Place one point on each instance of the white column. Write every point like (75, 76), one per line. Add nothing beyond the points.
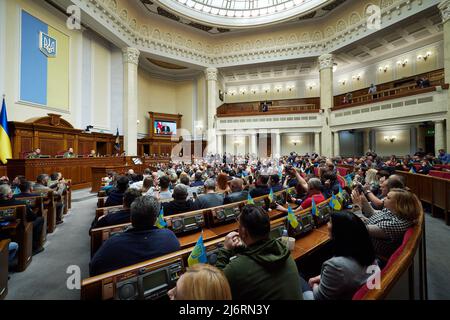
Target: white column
(276, 152)
(439, 136)
(220, 143)
(211, 80)
(420, 138)
(444, 6)
(130, 99)
(326, 101)
(253, 143)
(317, 142)
(366, 140)
(336, 145)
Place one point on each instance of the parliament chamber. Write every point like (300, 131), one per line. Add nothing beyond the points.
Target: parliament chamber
(225, 150)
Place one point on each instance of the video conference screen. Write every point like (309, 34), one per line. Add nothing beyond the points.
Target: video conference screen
(165, 128)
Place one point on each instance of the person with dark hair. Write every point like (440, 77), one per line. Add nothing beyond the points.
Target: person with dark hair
(330, 184)
(25, 188)
(394, 181)
(121, 216)
(261, 187)
(237, 192)
(198, 179)
(180, 202)
(275, 183)
(164, 184)
(142, 242)
(42, 186)
(262, 268)
(346, 271)
(115, 197)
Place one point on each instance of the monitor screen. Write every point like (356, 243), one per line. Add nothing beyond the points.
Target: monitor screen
(189, 220)
(229, 212)
(154, 280)
(165, 128)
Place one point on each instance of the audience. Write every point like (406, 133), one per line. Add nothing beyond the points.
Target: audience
(237, 192)
(142, 242)
(41, 186)
(180, 202)
(115, 197)
(211, 198)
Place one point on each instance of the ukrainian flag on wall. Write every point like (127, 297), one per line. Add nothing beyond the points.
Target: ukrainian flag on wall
(5, 142)
(44, 79)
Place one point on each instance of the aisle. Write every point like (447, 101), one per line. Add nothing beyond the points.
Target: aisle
(45, 278)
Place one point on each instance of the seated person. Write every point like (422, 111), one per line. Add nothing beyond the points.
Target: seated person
(36, 154)
(388, 226)
(425, 167)
(184, 179)
(142, 242)
(41, 186)
(330, 184)
(69, 154)
(115, 197)
(6, 200)
(198, 179)
(444, 157)
(261, 187)
(210, 198)
(180, 202)
(121, 216)
(275, 183)
(377, 202)
(201, 282)
(237, 192)
(346, 271)
(25, 188)
(93, 154)
(262, 268)
(164, 184)
(313, 187)
(13, 247)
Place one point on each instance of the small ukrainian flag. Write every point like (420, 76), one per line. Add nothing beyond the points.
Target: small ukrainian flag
(340, 194)
(160, 222)
(292, 218)
(271, 196)
(314, 210)
(412, 170)
(348, 178)
(198, 255)
(280, 173)
(334, 203)
(250, 199)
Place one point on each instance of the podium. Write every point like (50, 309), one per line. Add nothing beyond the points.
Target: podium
(97, 173)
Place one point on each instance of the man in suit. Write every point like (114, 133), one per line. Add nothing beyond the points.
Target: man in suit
(237, 193)
(166, 129)
(7, 200)
(142, 242)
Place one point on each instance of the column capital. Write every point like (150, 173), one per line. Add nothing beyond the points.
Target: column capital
(326, 61)
(444, 7)
(211, 74)
(131, 55)
(251, 132)
(439, 121)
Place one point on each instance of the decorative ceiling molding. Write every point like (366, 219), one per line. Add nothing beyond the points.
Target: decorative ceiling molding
(166, 65)
(213, 53)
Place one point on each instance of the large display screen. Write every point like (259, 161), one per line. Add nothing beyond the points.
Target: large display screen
(165, 128)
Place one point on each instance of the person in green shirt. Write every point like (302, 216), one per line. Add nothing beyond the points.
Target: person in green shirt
(36, 154)
(257, 267)
(69, 154)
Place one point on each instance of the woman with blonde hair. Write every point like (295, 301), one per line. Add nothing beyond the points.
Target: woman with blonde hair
(372, 182)
(402, 209)
(201, 282)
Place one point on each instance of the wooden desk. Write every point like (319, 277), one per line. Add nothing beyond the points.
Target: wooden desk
(97, 173)
(76, 169)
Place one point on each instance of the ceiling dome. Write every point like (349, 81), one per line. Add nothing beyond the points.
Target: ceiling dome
(242, 13)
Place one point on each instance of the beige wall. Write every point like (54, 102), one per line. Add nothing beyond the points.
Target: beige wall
(306, 143)
(400, 147)
(101, 84)
(157, 95)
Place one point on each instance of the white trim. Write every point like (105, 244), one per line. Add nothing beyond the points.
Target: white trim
(41, 106)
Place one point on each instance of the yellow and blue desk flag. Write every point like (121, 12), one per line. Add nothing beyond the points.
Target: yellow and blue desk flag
(271, 196)
(5, 141)
(314, 210)
(412, 170)
(334, 203)
(160, 222)
(250, 199)
(198, 255)
(292, 218)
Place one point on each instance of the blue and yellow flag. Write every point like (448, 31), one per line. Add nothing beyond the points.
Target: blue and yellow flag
(292, 218)
(340, 194)
(5, 142)
(271, 196)
(160, 222)
(348, 179)
(280, 173)
(412, 170)
(314, 210)
(250, 199)
(334, 203)
(198, 255)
